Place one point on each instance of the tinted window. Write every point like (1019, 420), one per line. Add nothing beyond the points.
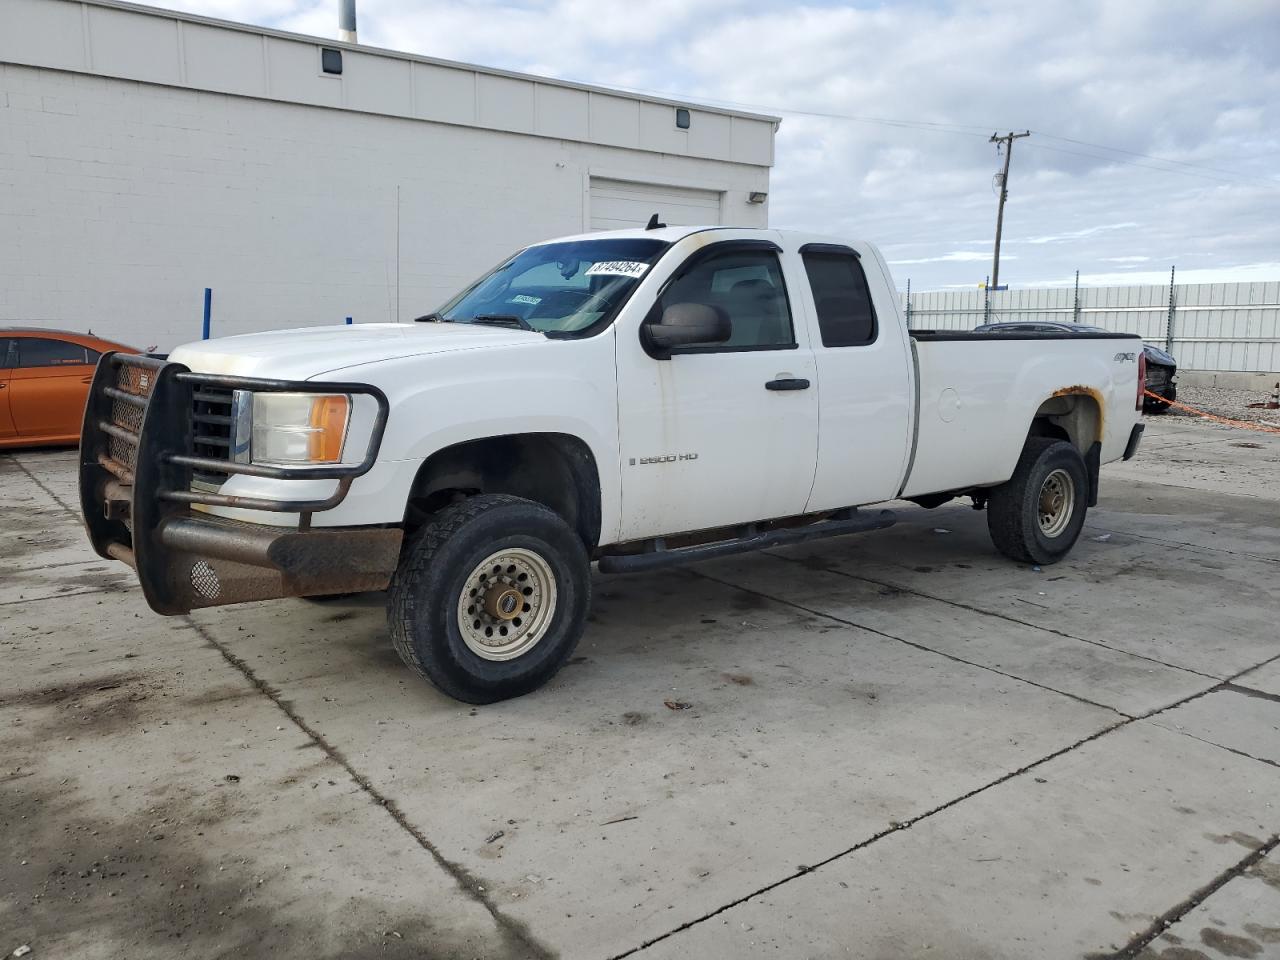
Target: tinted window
(38, 352)
(8, 353)
(748, 286)
(846, 316)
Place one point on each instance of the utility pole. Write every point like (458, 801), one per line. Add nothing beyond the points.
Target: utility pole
(1007, 140)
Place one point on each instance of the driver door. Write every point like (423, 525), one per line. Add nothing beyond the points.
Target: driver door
(725, 433)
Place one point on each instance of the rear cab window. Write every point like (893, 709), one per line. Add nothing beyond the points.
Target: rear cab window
(841, 296)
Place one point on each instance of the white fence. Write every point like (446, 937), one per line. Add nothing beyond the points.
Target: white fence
(1206, 326)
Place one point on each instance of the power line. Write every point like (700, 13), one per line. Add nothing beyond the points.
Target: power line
(1230, 178)
(1145, 156)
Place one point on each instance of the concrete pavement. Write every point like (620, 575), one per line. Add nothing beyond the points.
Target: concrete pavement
(897, 745)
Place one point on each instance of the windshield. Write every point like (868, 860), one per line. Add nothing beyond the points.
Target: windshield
(565, 288)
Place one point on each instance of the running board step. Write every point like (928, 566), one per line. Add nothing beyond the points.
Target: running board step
(658, 555)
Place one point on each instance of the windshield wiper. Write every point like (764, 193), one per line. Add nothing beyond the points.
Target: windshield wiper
(502, 320)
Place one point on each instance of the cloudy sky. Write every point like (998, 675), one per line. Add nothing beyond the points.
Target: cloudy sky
(1155, 123)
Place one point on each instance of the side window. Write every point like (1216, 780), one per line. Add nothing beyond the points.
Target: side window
(8, 354)
(38, 352)
(846, 315)
(91, 356)
(748, 286)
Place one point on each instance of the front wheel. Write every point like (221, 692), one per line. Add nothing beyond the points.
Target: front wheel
(1036, 517)
(490, 598)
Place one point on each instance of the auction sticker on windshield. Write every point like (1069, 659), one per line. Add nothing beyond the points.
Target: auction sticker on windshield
(617, 268)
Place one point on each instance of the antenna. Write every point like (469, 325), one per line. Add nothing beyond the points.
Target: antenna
(654, 224)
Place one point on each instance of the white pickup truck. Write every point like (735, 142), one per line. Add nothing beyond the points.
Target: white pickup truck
(636, 398)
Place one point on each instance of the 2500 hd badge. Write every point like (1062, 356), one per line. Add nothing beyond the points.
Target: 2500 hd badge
(672, 458)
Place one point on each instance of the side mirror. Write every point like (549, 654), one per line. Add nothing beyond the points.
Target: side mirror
(687, 324)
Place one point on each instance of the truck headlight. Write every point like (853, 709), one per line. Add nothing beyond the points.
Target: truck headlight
(290, 429)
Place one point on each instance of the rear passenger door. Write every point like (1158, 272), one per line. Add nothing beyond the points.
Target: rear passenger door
(48, 386)
(865, 387)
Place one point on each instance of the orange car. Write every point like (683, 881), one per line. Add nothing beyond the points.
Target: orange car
(44, 382)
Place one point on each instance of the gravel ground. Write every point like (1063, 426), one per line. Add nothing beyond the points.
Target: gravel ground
(1225, 402)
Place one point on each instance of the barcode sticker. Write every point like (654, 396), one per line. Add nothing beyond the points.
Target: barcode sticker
(617, 268)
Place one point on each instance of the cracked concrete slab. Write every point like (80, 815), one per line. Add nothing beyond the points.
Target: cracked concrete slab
(1071, 859)
(1116, 679)
(1205, 457)
(155, 805)
(794, 720)
(18, 582)
(590, 818)
(1236, 718)
(1195, 609)
(1265, 678)
(1144, 512)
(1241, 919)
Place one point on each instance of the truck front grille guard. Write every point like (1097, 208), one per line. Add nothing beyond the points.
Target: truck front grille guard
(148, 428)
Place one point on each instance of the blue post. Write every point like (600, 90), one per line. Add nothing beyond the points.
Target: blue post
(208, 311)
(348, 321)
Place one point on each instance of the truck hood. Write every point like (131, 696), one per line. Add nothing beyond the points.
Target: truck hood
(314, 351)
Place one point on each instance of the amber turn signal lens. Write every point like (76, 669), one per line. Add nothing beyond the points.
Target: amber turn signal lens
(329, 427)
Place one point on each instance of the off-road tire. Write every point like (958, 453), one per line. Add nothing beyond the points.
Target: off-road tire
(422, 609)
(1013, 509)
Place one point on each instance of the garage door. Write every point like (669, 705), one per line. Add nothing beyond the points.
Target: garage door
(618, 204)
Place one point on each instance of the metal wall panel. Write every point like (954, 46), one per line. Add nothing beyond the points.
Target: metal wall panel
(618, 205)
(121, 201)
(129, 42)
(1212, 326)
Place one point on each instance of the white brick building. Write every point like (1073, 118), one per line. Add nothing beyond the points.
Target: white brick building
(146, 155)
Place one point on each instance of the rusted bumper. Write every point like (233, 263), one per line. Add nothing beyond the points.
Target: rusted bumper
(148, 429)
(210, 561)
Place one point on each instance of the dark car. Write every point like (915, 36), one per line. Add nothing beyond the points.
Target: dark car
(1161, 367)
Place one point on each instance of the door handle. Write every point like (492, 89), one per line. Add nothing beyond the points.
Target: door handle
(787, 383)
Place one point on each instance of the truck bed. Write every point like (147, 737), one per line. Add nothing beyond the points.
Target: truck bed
(978, 393)
(932, 336)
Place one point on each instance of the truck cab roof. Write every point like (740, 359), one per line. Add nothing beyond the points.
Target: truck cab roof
(670, 234)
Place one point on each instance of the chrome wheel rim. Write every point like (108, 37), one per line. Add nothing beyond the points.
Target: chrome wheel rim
(1057, 502)
(506, 604)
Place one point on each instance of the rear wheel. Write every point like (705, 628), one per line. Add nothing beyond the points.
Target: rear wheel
(1036, 517)
(490, 598)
